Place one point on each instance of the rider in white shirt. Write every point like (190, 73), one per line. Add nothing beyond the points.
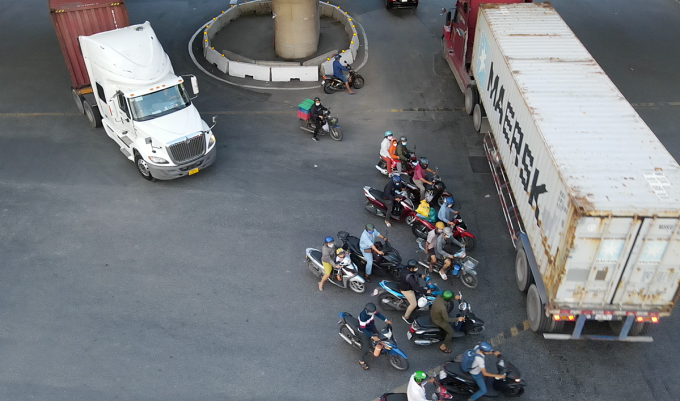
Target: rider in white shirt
(416, 386)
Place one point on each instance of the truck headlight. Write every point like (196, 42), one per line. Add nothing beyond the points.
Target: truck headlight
(211, 140)
(158, 160)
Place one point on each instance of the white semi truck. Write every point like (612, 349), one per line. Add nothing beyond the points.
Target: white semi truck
(591, 196)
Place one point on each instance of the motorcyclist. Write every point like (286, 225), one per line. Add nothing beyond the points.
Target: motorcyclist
(391, 195)
(338, 72)
(317, 115)
(446, 212)
(419, 178)
(478, 370)
(439, 314)
(416, 386)
(368, 329)
(385, 151)
(327, 260)
(367, 246)
(410, 287)
(444, 241)
(342, 259)
(431, 242)
(402, 151)
(392, 150)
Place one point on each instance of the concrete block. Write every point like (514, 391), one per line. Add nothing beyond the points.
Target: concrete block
(326, 10)
(354, 47)
(285, 74)
(346, 58)
(242, 70)
(278, 63)
(320, 59)
(223, 64)
(237, 57)
(327, 67)
(257, 7)
(212, 56)
(212, 30)
(235, 12)
(339, 15)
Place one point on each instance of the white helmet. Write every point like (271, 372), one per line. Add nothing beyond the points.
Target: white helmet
(422, 302)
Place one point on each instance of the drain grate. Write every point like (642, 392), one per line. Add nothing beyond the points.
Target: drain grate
(479, 164)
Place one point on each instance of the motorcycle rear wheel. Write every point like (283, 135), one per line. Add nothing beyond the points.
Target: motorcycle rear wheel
(336, 134)
(358, 82)
(313, 268)
(420, 230)
(398, 362)
(328, 88)
(345, 331)
(469, 280)
(386, 301)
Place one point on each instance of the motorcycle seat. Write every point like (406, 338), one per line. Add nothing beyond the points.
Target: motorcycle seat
(316, 255)
(425, 321)
(395, 397)
(353, 323)
(453, 368)
(377, 194)
(353, 243)
(392, 286)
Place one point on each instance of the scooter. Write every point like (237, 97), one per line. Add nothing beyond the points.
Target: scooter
(348, 272)
(390, 298)
(462, 266)
(388, 264)
(434, 194)
(401, 211)
(349, 331)
(331, 83)
(407, 168)
(424, 332)
(460, 232)
(331, 126)
(453, 380)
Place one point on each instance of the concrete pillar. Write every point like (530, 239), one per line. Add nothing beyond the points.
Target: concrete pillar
(296, 28)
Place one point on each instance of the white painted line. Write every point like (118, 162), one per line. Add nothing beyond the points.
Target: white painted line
(233, 2)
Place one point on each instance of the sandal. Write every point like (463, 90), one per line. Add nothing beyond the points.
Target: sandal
(363, 365)
(445, 350)
(367, 278)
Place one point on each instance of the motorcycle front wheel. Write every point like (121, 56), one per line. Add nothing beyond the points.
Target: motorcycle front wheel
(419, 230)
(358, 82)
(515, 392)
(336, 134)
(398, 362)
(328, 88)
(469, 242)
(469, 280)
(357, 286)
(476, 330)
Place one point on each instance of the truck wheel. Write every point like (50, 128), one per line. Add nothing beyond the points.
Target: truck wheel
(477, 115)
(471, 99)
(538, 321)
(522, 272)
(143, 168)
(92, 114)
(638, 328)
(78, 100)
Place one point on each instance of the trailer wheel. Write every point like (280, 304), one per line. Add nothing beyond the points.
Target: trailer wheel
(471, 99)
(78, 100)
(638, 328)
(538, 321)
(522, 272)
(477, 115)
(92, 114)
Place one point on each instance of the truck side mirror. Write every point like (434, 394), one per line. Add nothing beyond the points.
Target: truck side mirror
(147, 140)
(113, 111)
(194, 85)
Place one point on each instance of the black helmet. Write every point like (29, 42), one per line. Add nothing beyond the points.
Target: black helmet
(316, 99)
(424, 162)
(402, 139)
(369, 308)
(412, 264)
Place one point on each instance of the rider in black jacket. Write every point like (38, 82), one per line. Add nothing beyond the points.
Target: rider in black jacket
(317, 115)
(410, 287)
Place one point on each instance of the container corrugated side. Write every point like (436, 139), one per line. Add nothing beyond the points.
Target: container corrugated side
(72, 19)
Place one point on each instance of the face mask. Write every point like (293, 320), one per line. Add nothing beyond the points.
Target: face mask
(447, 236)
(331, 244)
(403, 143)
(318, 104)
(370, 232)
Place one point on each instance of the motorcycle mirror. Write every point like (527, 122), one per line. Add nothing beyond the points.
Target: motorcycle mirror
(443, 11)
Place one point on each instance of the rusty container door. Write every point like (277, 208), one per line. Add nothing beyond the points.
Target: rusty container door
(73, 18)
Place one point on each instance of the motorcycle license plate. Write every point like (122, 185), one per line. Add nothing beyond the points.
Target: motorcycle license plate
(193, 171)
(409, 335)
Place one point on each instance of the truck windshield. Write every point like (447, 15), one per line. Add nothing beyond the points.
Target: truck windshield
(156, 104)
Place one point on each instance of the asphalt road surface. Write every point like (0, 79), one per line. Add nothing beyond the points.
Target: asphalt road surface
(113, 288)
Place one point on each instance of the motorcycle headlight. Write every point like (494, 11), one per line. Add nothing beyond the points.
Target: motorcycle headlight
(211, 140)
(158, 160)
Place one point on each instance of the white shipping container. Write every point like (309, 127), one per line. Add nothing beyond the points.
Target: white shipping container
(596, 190)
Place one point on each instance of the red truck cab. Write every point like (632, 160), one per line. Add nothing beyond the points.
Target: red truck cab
(458, 35)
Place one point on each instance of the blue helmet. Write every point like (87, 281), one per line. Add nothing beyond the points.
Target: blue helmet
(337, 56)
(485, 347)
(448, 200)
(327, 240)
(388, 133)
(396, 179)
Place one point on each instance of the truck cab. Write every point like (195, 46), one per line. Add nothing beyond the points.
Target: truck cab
(144, 106)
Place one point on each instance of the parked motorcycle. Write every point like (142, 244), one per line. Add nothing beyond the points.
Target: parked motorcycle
(421, 228)
(331, 83)
(349, 331)
(348, 272)
(453, 380)
(424, 332)
(406, 168)
(462, 266)
(390, 298)
(388, 264)
(401, 211)
(331, 126)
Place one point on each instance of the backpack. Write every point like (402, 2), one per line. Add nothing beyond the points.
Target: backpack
(468, 359)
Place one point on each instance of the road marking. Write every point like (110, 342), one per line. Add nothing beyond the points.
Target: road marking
(37, 114)
(499, 339)
(657, 104)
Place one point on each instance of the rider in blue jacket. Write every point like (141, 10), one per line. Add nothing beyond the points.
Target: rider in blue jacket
(368, 329)
(338, 72)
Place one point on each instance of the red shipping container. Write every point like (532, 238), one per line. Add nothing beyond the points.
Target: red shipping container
(73, 18)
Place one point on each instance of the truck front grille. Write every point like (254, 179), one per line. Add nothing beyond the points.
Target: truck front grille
(187, 149)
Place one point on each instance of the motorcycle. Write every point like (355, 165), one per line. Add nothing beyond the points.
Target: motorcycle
(406, 168)
(331, 83)
(349, 331)
(331, 126)
(452, 380)
(348, 272)
(462, 266)
(424, 332)
(388, 264)
(460, 232)
(390, 298)
(434, 194)
(401, 211)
